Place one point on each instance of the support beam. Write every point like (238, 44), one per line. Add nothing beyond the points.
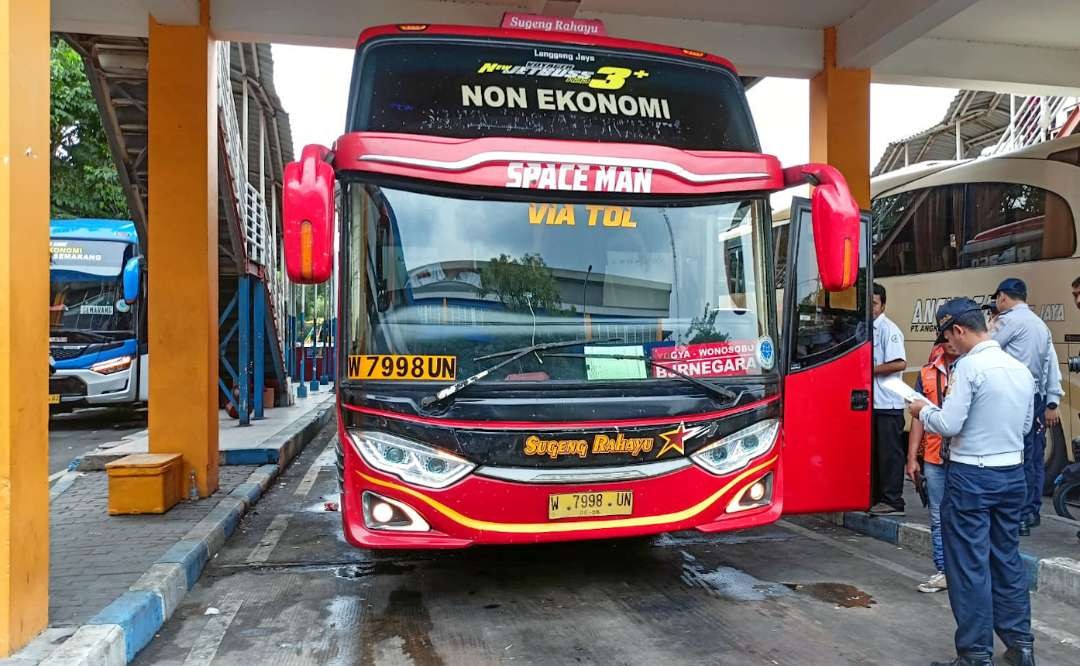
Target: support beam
(840, 121)
(183, 260)
(882, 27)
(173, 12)
(24, 325)
(1005, 68)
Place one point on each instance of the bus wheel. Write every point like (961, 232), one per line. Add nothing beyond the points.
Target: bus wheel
(1058, 459)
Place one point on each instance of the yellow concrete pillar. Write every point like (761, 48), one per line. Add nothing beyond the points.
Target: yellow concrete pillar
(182, 258)
(24, 324)
(840, 120)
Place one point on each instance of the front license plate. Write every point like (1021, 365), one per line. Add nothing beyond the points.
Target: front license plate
(581, 505)
(54, 398)
(398, 367)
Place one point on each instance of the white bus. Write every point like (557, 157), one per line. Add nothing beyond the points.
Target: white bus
(944, 229)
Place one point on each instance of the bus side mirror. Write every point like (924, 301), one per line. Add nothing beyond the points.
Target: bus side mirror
(131, 277)
(835, 216)
(308, 216)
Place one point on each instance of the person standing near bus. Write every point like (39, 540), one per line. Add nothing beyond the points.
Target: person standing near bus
(1024, 335)
(933, 384)
(889, 361)
(986, 413)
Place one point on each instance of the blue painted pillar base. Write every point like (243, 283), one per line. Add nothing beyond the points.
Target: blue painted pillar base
(301, 391)
(314, 386)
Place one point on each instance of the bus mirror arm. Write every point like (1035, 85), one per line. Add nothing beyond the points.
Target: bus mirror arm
(835, 216)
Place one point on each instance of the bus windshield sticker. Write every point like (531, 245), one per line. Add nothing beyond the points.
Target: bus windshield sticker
(96, 309)
(403, 367)
(709, 359)
(611, 217)
(766, 352)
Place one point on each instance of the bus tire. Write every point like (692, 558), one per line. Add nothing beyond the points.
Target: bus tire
(1058, 459)
(1063, 494)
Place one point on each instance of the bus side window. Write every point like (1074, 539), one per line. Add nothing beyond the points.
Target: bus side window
(1009, 223)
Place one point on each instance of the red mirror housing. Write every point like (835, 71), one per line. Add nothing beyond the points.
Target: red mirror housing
(307, 209)
(835, 216)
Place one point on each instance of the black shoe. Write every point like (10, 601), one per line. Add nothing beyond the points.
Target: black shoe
(972, 659)
(969, 659)
(1024, 529)
(1021, 653)
(1034, 522)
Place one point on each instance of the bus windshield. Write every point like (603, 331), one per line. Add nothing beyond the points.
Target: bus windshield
(85, 292)
(681, 285)
(455, 87)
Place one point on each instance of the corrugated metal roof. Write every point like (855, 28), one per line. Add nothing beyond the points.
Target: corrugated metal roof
(982, 116)
(255, 64)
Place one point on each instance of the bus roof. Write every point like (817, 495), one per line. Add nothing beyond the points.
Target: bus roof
(420, 30)
(94, 228)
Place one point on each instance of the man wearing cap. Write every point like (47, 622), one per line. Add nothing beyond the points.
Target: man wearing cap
(1023, 335)
(986, 413)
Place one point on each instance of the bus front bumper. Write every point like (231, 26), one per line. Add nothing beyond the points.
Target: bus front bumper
(484, 510)
(81, 388)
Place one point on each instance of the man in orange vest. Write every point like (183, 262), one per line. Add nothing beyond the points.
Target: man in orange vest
(933, 382)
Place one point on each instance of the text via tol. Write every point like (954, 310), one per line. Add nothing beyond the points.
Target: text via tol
(578, 177)
(602, 216)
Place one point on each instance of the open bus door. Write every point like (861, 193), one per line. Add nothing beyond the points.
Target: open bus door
(828, 362)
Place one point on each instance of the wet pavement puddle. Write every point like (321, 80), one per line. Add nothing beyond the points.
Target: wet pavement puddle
(728, 582)
(840, 595)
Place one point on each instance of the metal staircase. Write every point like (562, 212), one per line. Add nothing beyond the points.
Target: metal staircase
(254, 144)
(1036, 119)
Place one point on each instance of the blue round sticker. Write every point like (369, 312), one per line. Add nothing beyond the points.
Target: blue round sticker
(766, 352)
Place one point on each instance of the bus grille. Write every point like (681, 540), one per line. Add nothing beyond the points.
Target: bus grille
(64, 353)
(67, 386)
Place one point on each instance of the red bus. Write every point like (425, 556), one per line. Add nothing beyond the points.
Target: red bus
(558, 312)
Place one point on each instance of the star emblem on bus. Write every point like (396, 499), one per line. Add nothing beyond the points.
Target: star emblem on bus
(675, 440)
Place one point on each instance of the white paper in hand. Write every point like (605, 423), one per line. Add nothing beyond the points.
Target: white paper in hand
(897, 386)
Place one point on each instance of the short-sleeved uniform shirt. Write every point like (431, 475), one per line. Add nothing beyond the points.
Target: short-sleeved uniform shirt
(888, 346)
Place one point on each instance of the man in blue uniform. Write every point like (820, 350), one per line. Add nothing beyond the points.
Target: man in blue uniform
(986, 413)
(1023, 335)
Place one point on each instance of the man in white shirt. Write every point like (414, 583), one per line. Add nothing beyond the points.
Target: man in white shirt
(889, 445)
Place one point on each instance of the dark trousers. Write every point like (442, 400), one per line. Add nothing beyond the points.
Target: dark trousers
(889, 457)
(988, 585)
(1035, 461)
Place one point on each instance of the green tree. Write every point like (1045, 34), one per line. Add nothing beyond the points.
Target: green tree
(84, 179)
(521, 283)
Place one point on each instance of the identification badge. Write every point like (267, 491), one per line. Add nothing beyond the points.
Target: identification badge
(403, 367)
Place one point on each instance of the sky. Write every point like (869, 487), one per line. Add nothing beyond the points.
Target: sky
(313, 84)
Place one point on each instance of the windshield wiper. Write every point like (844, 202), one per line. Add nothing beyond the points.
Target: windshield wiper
(718, 391)
(512, 355)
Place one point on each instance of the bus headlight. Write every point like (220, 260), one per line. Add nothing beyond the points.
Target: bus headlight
(112, 365)
(410, 461)
(737, 449)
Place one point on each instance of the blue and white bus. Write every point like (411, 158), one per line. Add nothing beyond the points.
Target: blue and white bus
(97, 315)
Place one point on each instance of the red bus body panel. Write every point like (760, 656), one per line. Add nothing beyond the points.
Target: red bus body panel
(496, 162)
(482, 510)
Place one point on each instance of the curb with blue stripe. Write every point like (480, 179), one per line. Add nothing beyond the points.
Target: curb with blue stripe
(120, 630)
(1058, 577)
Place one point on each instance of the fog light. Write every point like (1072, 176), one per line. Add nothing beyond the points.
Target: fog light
(756, 495)
(382, 512)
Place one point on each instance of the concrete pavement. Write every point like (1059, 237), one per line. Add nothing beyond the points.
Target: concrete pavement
(287, 589)
(73, 435)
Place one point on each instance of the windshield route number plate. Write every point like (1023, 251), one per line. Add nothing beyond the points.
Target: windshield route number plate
(403, 367)
(54, 398)
(589, 505)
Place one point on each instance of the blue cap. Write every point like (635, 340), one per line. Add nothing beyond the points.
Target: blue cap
(1014, 285)
(947, 314)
